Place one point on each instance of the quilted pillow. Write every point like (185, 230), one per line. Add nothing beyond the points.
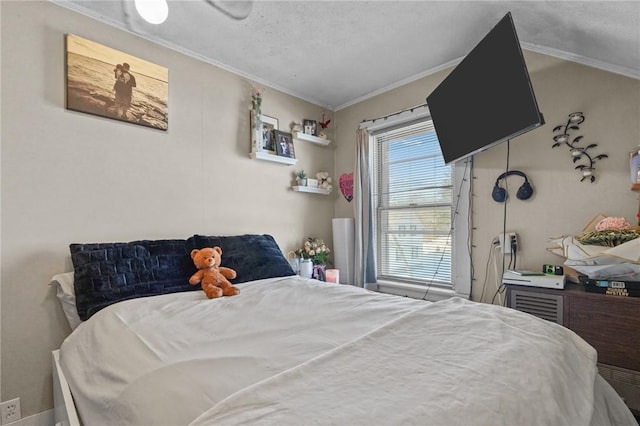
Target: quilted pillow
(106, 273)
(253, 257)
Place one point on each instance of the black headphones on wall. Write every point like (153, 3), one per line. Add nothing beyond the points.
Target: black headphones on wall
(500, 195)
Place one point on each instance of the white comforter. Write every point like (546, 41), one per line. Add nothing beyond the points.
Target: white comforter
(291, 351)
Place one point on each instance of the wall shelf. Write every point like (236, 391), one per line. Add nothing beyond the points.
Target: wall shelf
(310, 138)
(311, 190)
(265, 156)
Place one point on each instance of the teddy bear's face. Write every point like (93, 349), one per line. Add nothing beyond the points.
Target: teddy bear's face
(206, 258)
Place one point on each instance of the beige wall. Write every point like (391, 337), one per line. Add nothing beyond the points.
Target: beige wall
(72, 177)
(561, 203)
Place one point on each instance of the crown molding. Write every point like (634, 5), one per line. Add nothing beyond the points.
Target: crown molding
(594, 63)
(590, 62)
(400, 83)
(120, 26)
(556, 53)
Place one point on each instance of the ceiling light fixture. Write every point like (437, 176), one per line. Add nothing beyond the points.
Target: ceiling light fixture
(153, 11)
(236, 9)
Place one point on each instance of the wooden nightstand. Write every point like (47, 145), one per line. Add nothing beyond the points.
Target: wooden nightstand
(611, 324)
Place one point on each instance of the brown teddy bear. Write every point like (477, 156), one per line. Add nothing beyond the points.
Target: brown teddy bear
(212, 276)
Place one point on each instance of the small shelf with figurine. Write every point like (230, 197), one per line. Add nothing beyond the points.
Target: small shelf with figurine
(310, 138)
(266, 156)
(311, 190)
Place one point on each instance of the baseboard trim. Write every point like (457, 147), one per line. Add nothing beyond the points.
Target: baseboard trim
(44, 418)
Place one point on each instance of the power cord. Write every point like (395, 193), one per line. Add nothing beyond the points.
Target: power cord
(494, 244)
(501, 287)
(514, 251)
(500, 290)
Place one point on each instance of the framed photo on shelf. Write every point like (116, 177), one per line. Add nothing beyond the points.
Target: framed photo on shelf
(310, 127)
(268, 142)
(284, 144)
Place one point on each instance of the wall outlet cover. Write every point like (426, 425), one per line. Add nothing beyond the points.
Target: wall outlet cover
(508, 236)
(10, 411)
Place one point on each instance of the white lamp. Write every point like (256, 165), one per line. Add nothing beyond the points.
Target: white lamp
(344, 248)
(153, 11)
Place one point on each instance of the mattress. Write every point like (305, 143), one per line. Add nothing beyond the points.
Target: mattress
(298, 351)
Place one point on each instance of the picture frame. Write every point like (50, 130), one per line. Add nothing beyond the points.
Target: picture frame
(310, 127)
(267, 127)
(284, 144)
(113, 84)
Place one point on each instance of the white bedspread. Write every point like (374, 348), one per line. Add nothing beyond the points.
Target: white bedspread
(291, 351)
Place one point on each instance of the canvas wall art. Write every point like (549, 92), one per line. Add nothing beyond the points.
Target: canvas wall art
(110, 83)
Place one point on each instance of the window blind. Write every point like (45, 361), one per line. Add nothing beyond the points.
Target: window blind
(413, 198)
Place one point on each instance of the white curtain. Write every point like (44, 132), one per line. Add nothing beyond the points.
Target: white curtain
(364, 258)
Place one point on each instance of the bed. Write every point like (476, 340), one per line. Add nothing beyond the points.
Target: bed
(290, 351)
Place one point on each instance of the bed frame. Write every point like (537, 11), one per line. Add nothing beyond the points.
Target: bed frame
(65, 413)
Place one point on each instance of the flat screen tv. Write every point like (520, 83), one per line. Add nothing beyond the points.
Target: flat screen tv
(486, 99)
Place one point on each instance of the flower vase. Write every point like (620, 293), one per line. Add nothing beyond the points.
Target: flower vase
(256, 131)
(306, 268)
(257, 121)
(318, 272)
(256, 108)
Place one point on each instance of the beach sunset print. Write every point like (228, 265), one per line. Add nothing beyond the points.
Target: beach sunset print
(109, 83)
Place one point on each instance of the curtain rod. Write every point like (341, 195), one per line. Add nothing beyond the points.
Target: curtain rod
(384, 117)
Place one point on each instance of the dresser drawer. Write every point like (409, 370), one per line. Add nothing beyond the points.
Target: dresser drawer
(610, 324)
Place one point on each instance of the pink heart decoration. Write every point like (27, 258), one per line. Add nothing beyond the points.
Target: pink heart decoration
(346, 186)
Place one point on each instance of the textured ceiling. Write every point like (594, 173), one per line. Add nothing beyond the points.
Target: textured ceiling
(335, 53)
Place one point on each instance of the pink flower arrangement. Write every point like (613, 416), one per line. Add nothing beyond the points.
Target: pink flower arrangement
(613, 223)
(256, 99)
(316, 250)
(610, 232)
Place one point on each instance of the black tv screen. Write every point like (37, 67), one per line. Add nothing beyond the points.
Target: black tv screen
(487, 98)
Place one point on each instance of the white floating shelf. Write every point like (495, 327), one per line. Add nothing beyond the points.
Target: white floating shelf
(265, 156)
(311, 190)
(310, 138)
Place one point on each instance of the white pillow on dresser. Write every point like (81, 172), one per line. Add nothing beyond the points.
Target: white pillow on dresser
(67, 297)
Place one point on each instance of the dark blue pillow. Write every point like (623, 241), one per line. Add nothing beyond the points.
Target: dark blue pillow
(253, 257)
(106, 273)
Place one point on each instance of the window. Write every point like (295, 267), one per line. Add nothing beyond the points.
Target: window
(415, 199)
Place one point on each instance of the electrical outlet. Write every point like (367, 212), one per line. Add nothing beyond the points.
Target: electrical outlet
(10, 411)
(509, 237)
